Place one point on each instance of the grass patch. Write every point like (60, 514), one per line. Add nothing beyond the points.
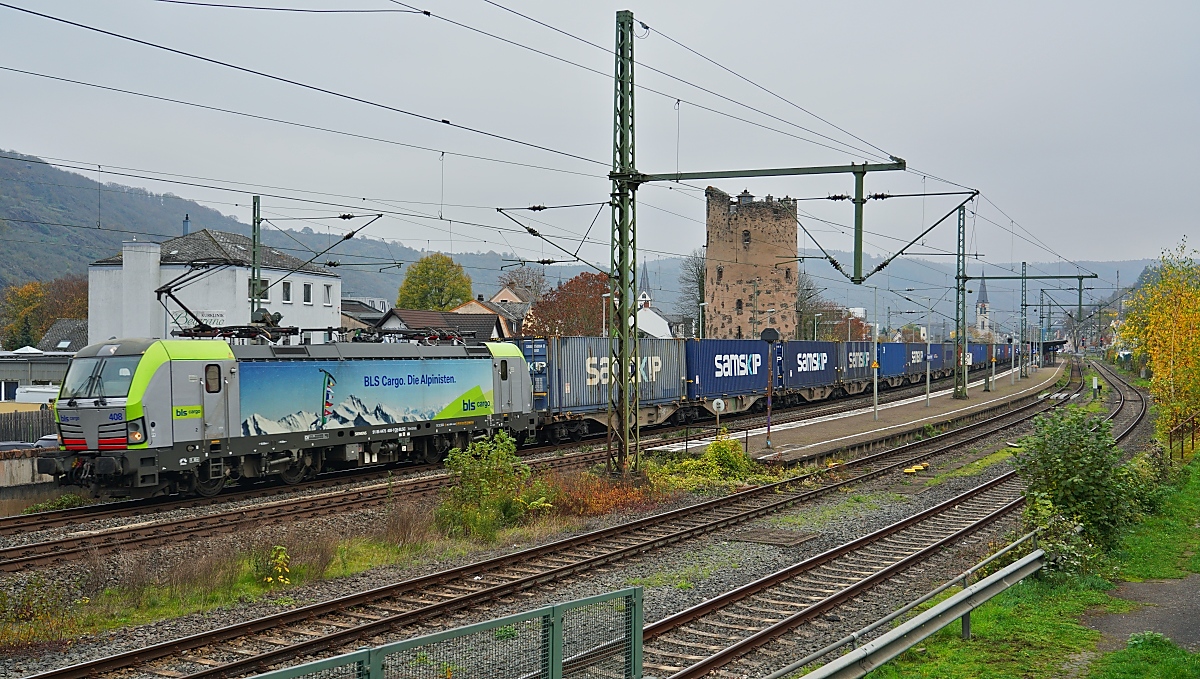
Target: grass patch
(1148, 654)
(973, 468)
(707, 561)
(1165, 544)
(851, 506)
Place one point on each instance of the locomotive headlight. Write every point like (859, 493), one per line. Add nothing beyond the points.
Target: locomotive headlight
(135, 432)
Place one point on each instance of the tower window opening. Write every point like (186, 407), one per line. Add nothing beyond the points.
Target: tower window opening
(746, 238)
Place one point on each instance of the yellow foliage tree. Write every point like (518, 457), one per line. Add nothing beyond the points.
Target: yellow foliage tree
(1163, 325)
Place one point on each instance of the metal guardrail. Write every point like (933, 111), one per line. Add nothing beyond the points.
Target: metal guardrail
(863, 659)
(600, 636)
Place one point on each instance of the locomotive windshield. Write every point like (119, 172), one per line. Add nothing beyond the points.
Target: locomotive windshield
(99, 377)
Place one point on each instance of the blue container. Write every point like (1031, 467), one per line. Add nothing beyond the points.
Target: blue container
(535, 351)
(719, 367)
(978, 355)
(936, 356)
(917, 358)
(809, 364)
(854, 360)
(893, 359)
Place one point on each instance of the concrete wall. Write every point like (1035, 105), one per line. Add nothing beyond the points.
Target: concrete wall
(735, 270)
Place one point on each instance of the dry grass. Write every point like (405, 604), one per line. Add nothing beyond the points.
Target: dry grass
(586, 494)
(406, 524)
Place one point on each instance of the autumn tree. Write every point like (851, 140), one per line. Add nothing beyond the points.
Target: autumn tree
(1163, 325)
(27, 310)
(691, 285)
(530, 279)
(572, 308)
(435, 282)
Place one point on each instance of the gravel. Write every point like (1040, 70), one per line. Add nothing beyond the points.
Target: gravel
(675, 577)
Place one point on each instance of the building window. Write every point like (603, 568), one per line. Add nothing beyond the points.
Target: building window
(263, 293)
(720, 273)
(308, 294)
(787, 274)
(306, 338)
(328, 295)
(746, 238)
(738, 306)
(287, 292)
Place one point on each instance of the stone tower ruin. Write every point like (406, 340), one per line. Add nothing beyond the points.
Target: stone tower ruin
(750, 266)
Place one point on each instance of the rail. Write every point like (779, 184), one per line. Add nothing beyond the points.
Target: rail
(862, 660)
(963, 578)
(599, 635)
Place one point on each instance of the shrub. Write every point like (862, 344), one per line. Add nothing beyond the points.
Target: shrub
(1071, 462)
(490, 489)
(723, 464)
(40, 611)
(67, 501)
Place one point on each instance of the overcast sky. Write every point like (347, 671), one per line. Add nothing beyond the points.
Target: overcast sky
(1077, 120)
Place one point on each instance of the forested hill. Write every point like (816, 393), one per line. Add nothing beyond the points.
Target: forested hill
(48, 220)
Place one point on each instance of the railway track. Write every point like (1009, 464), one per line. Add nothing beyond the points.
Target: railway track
(338, 624)
(680, 645)
(688, 644)
(24, 523)
(106, 540)
(1124, 390)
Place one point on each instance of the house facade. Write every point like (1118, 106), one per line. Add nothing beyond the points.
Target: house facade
(122, 300)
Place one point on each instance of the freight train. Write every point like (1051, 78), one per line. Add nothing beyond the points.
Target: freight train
(138, 418)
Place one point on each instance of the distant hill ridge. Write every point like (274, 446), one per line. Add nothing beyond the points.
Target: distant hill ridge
(36, 198)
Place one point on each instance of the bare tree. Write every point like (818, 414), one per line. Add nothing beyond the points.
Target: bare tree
(528, 278)
(808, 303)
(691, 285)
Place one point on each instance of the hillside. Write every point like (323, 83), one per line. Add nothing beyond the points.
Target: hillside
(48, 221)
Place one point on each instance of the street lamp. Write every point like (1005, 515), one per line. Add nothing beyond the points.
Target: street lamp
(770, 336)
(702, 305)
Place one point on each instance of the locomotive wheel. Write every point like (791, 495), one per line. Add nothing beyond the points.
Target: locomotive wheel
(294, 474)
(205, 485)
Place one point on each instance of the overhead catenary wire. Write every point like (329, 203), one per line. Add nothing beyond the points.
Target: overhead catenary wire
(303, 85)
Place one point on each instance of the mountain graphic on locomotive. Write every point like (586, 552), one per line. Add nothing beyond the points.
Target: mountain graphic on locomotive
(143, 417)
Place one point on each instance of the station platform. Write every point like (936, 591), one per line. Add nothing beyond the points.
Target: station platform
(820, 436)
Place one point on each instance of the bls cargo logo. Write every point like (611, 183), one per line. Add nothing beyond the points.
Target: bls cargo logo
(858, 359)
(731, 365)
(811, 362)
(597, 369)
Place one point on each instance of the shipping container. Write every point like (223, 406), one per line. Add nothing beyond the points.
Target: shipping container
(893, 357)
(854, 360)
(916, 359)
(571, 373)
(978, 354)
(722, 367)
(809, 364)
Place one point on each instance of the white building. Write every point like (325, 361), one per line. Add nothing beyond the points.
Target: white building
(122, 301)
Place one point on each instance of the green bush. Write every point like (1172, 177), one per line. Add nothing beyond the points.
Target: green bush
(723, 464)
(1071, 462)
(67, 501)
(491, 488)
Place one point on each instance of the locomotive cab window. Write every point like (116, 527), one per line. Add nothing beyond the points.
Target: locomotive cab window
(503, 370)
(212, 378)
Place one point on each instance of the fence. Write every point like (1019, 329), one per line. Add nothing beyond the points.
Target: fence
(1184, 434)
(600, 636)
(29, 425)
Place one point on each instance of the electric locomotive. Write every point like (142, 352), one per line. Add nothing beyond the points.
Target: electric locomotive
(139, 417)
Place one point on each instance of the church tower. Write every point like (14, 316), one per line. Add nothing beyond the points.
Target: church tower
(983, 320)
